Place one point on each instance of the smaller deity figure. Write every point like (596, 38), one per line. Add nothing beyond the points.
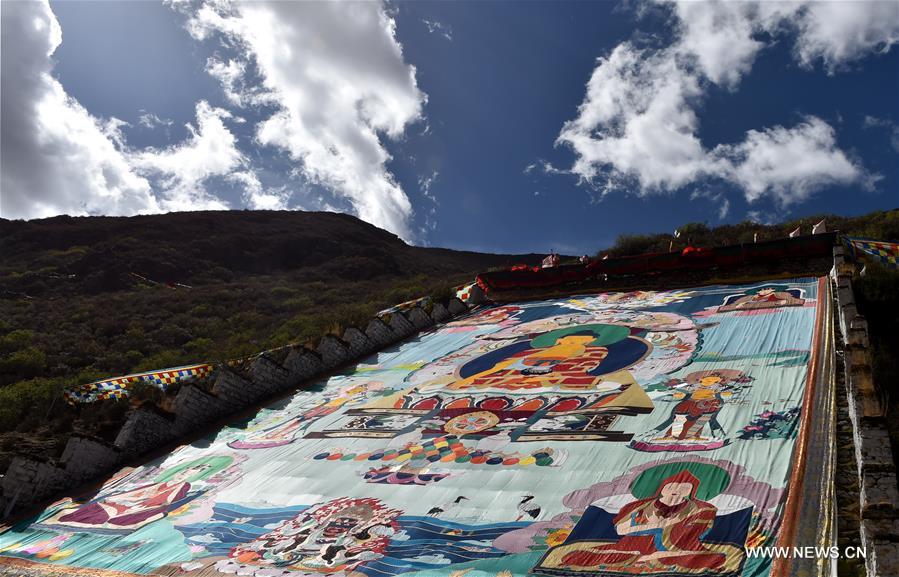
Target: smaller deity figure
(495, 316)
(766, 297)
(335, 536)
(132, 508)
(693, 423)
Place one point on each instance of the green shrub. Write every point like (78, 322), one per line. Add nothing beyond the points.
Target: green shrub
(16, 340)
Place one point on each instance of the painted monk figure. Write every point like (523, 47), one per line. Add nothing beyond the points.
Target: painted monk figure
(666, 529)
(763, 298)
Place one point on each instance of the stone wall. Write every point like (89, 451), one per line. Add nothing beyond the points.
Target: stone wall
(876, 472)
(29, 482)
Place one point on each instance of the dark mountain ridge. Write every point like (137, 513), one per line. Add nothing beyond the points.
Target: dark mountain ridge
(198, 248)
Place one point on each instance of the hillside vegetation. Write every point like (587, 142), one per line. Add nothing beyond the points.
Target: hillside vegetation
(93, 297)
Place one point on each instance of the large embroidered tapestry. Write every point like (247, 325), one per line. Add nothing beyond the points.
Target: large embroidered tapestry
(643, 433)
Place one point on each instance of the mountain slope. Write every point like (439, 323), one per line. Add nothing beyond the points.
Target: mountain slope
(92, 297)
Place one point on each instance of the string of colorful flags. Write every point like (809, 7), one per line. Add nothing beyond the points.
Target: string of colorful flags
(117, 387)
(885, 253)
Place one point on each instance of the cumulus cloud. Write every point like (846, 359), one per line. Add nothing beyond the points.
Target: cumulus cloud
(719, 35)
(182, 170)
(59, 159)
(56, 157)
(790, 163)
(338, 79)
(841, 32)
(230, 75)
(637, 126)
(258, 198)
(638, 119)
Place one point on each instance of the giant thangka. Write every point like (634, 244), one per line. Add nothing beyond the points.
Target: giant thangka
(643, 433)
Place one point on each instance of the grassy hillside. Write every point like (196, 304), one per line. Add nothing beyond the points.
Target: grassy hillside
(74, 306)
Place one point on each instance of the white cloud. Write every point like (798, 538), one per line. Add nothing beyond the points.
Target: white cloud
(723, 209)
(337, 74)
(545, 167)
(436, 27)
(229, 74)
(720, 36)
(760, 217)
(425, 183)
(56, 158)
(637, 126)
(430, 216)
(841, 32)
(150, 120)
(637, 123)
(790, 163)
(257, 198)
(715, 197)
(182, 170)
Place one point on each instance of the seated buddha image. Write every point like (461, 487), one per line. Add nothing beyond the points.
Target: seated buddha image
(576, 358)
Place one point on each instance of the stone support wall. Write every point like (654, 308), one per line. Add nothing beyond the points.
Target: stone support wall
(400, 325)
(439, 313)
(357, 342)
(419, 318)
(334, 351)
(878, 494)
(29, 482)
(143, 431)
(379, 333)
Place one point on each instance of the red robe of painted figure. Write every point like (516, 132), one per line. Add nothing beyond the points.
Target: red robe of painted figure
(666, 528)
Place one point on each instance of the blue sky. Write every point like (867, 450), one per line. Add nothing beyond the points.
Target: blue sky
(493, 126)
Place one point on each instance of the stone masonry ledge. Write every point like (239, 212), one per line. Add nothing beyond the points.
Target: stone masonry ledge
(30, 482)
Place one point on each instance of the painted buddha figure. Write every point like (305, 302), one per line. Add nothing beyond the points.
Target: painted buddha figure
(575, 358)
